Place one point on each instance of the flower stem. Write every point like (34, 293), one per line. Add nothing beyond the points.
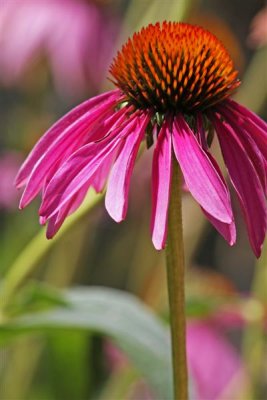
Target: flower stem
(176, 278)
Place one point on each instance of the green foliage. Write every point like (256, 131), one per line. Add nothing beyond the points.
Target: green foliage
(133, 327)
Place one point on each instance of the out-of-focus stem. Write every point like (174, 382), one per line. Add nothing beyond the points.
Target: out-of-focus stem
(176, 281)
(36, 250)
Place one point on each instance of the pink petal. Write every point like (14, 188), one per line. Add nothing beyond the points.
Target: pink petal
(210, 156)
(70, 140)
(228, 231)
(161, 182)
(58, 219)
(255, 126)
(246, 136)
(253, 152)
(246, 183)
(258, 135)
(119, 181)
(79, 169)
(200, 176)
(114, 123)
(246, 114)
(100, 177)
(73, 118)
(50, 162)
(75, 173)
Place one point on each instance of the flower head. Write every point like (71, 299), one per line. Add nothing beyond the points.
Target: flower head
(174, 68)
(74, 35)
(173, 86)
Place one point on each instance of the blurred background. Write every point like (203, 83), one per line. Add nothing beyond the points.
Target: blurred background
(53, 55)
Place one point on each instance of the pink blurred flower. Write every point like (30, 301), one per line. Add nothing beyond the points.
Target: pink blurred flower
(216, 368)
(114, 356)
(171, 87)
(258, 29)
(75, 35)
(9, 163)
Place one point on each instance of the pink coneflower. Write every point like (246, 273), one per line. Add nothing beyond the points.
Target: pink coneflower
(174, 81)
(74, 35)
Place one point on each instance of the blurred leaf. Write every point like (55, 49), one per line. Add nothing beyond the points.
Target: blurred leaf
(134, 328)
(38, 296)
(35, 296)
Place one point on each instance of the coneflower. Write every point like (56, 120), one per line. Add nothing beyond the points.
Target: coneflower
(174, 81)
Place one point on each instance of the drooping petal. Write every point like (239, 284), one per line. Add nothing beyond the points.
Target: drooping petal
(100, 177)
(228, 231)
(258, 135)
(59, 128)
(79, 169)
(55, 223)
(87, 128)
(254, 125)
(200, 176)
(114, 122)
(74, 174)
(210, 156)
(63, 148)
(116, 200)
(254, 155)
(248, 142)
(161, 182)
(49, 163)
(246, 114)
(246, 183)
(97, 182)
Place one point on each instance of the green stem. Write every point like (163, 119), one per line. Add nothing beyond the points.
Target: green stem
(176, 278)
